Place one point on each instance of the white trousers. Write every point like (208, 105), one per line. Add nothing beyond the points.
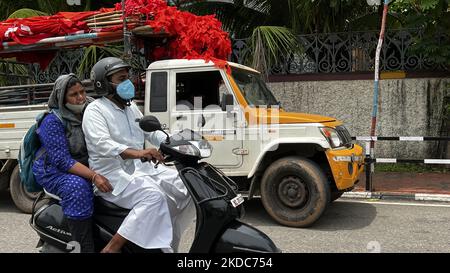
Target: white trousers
(161, 210)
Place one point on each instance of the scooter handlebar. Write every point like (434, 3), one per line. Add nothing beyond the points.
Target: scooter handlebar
(145, 159)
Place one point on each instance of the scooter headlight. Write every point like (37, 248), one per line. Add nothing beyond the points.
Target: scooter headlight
(187, 149)
(203, 147)
(198, 148)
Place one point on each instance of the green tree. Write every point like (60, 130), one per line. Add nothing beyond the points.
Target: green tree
(433, 18)
(256, 18)
(301, 16)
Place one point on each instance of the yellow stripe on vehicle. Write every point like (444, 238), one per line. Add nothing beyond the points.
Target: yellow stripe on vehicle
(7, 125)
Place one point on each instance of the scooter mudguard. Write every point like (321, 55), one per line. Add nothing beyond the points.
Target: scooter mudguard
(240, 237)
(50, 224)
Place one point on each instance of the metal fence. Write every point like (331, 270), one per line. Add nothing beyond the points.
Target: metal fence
(14, 73)
(322, 53)
(370, 161)
(347, 52)
(65, 62)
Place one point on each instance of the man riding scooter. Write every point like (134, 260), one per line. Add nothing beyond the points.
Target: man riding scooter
(149, 207)
(160, 206)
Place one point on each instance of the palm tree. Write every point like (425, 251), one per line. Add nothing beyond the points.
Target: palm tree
(301, 16)
(270, 36)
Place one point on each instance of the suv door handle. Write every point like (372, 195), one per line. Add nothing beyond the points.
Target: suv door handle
(181, 117)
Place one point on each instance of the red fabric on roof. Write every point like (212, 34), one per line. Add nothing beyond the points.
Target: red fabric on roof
(30, 30)
(76, 16)
(192, 36)
(195, 37)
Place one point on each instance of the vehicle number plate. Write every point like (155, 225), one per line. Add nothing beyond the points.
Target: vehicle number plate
(237, 200)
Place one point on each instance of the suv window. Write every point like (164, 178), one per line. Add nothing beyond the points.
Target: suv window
(199, 89)
(158, 92)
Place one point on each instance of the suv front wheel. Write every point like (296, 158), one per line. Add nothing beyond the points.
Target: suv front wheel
(294, 191)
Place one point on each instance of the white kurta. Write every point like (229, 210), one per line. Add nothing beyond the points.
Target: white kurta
(160, 204)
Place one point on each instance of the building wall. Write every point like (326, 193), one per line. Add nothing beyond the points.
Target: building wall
(407, 107)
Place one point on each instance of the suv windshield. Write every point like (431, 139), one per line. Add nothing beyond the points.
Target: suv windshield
(253, 88)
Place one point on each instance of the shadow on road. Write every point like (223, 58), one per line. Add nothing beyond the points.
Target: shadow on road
(339, 215)
(343, 215)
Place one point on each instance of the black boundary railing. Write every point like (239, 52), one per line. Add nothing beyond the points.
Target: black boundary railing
(369, 161)
(348, 52)
(323, 53)
(15, 73)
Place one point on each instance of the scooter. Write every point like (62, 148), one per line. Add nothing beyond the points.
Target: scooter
(218, 206)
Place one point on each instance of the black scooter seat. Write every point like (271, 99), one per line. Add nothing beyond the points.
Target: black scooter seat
(107, 208)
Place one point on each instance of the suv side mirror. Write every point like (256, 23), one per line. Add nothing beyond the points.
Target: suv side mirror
(227, 99)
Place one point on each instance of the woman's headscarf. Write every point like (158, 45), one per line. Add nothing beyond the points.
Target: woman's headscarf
(74, 132)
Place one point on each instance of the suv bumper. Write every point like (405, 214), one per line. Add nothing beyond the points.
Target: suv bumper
(346, 166)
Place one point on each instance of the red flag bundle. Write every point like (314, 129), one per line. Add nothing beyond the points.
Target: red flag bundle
(191, 36)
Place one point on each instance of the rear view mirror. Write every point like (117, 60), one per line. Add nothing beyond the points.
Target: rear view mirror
(227, 99)
(152, 124)
(149, 124)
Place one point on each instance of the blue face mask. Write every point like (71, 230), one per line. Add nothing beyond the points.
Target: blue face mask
(125, 90)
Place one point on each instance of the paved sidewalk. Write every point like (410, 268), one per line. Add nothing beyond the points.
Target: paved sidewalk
(411, 186)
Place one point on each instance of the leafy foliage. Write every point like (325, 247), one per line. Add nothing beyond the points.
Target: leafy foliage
(433, 17)
(8, 7)
(273, 24)
(94, 53)
(268, 43)
(241, 18)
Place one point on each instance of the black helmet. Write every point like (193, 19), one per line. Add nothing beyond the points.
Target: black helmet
(104, 68)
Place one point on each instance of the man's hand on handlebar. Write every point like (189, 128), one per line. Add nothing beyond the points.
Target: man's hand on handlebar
(152, 154)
